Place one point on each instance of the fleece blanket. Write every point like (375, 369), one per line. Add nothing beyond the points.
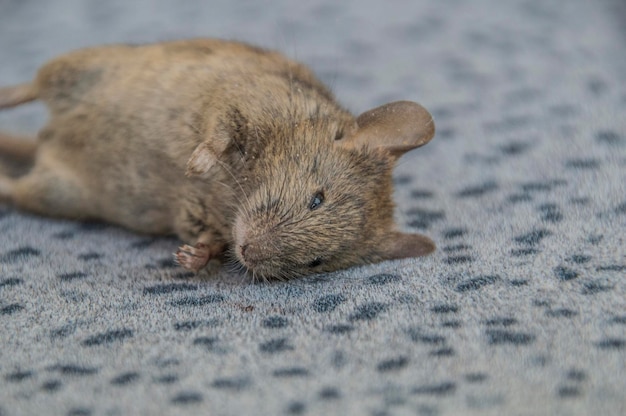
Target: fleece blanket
(520, 311)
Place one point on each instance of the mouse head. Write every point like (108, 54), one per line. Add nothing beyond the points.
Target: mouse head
(324, 198)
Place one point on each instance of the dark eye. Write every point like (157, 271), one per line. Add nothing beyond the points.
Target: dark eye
(316, 201)
(316, 262)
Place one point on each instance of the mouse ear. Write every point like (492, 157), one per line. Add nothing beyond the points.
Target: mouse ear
(402, 245)
(206, 155)
(231, 128)
(396, 127)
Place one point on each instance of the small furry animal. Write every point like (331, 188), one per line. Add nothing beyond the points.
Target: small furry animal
(237, 150)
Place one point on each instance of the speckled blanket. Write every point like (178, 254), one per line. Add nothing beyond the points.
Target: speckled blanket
(521, 311)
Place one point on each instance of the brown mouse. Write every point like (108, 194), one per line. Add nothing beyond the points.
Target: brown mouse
(235, 149)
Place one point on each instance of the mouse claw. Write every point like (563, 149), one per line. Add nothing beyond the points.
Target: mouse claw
(193, 258)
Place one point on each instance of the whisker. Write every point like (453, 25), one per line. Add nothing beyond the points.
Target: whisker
(225, 167)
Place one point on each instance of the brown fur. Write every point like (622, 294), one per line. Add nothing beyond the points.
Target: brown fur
(222, 144)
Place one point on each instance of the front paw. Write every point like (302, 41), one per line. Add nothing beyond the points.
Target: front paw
(193, 258)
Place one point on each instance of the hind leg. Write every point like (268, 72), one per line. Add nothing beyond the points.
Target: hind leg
(17, 147)
(6, 188)
(47, 192)
(16, 154)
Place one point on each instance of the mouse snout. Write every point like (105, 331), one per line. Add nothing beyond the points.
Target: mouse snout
(253, 253)
(250, 248)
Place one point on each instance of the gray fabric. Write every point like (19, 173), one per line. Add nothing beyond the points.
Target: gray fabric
(522, 310)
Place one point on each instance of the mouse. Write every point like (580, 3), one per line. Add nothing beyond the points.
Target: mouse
(239, 151)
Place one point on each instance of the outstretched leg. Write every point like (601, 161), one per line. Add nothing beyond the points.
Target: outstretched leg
(20, 148)
(6, 188)
(47, 192)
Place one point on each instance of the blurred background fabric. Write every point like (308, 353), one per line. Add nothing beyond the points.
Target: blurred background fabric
(522, 309)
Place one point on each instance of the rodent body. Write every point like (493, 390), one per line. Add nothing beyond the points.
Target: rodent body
(233, 148)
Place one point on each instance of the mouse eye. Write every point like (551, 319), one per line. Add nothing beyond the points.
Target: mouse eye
(316, 262)
(316, 201)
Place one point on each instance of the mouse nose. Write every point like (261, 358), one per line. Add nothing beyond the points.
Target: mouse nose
(243, 249)
(252, 253)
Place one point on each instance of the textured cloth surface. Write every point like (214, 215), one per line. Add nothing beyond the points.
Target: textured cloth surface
(521, 310)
